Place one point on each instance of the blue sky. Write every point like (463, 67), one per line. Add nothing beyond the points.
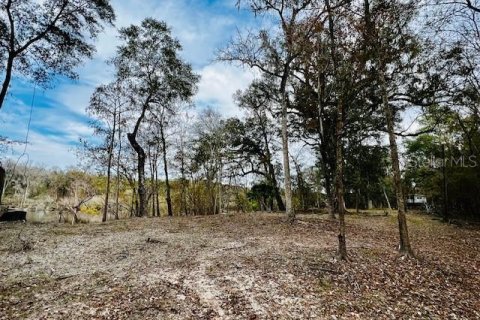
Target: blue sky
(59, 118)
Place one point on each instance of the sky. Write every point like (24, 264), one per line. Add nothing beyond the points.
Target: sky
(58, 113)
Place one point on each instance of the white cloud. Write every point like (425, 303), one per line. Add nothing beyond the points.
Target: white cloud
(73, 97)
(201, 27)
(219, 83)
(59, 114)
(47, 151)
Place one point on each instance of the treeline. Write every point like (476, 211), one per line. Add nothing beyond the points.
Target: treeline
(350, 81)
(337, 76)
(31, 187)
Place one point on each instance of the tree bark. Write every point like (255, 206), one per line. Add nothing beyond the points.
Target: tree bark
(132, 138)
(405, 248)
(286, 159)
(339, 127)
(271, 170)
(328, 183)
(2, 182)
(276, 190)
(165, 168)
(220, 187)
(109, 167)
(157, 197)
(117, 196)
(357, 201)
(321, 135)
(340, 205)
(142, 195)
(152, 179)
(183, 195)
(7, 80)
(446, 217)
(11, 55)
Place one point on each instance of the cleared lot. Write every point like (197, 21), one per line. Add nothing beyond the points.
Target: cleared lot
(247, 266)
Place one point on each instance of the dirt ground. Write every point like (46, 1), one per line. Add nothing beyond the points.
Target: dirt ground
(244, 266)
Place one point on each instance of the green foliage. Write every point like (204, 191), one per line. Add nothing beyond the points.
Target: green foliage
(243, 203)
(93, 210)
(437, 158)
(42, 38)
(365, 176)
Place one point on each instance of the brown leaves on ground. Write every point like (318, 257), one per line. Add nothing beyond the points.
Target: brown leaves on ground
(245, 266)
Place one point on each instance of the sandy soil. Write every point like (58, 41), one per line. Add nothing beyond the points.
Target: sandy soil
(245, 266)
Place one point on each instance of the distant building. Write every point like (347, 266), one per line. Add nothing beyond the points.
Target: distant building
(416, 200)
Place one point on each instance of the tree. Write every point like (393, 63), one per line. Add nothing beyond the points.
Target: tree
(74, 189)
(181, 158)
(2, 182)
(106, 106)
(315, 110)
(164, 117)
(208, 160)
(444, 158)
(41, 38)
(253, 140)
(366, 169)
(396, 55)
(473, 5)
(273, 53)
(262, 193)
(339, 132)
(149, 64)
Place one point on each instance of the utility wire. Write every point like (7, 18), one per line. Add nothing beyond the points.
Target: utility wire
(24, 153)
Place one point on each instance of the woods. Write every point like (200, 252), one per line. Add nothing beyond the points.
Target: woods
(337, 83)
(356, 110)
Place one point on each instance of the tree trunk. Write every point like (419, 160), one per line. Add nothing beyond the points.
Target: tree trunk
(286, 158)
(276, 190)
(321, 135)
(271, 173)
(109, 167)
(328, 184)
(357, 201)
(446, 217)
(75, 217)
(6, 81)
(107, 191)
(2, 182)
(405, 248)
(133, 204)
(339, 127)
(386, 198)
(142, 195)
(117, 195)
(132, 138)
(183, 195)
(220, 188)
(157, 197)
(340, 205)
(25, 194)
(152, 179)
(165, 167)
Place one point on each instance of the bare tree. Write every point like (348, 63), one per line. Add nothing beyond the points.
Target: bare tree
(106, 106)
(78, 191)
